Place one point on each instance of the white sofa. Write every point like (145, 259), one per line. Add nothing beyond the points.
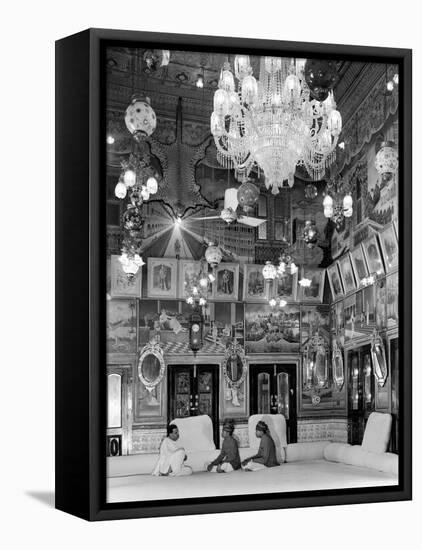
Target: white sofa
(371, 454)
(196, 436)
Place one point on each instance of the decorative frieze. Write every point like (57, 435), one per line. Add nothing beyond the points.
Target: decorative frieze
(147, 441)
(334, 429)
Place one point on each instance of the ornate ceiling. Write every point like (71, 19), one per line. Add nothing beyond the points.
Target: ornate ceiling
(182, 146)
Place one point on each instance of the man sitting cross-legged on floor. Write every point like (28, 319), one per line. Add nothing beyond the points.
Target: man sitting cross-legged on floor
(172, 457)
(266, 456)
(229, 459)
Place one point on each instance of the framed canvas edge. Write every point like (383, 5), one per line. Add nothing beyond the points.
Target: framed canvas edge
(90, 504)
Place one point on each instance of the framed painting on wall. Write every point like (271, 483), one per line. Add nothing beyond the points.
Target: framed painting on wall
(373, 256)
(162, 278)
(315, 291)
(121, 326)
(226, 284)
(121, 285)
(270, 330)
(189, 271)
(346, 272)
(390, 248)
(285, 287)
(336, 285)
(359, 264)
(255, 288)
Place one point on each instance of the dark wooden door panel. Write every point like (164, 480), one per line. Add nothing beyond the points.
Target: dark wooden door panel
(194, 390)
(273, 391)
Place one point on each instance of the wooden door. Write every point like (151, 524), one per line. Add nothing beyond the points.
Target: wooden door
(117, 440)
(194, 390)
(361, 392)
(273, 391)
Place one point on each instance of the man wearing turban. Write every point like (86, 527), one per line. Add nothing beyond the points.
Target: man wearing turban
(229, 459)
(266, 456)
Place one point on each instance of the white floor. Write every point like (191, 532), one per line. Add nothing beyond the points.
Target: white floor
(296, 476)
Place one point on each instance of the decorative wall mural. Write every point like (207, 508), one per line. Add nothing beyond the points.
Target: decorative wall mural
(120, 285)
(392, 300)
(381, 304)
(121, 326)
(315, 319)
(268, 330)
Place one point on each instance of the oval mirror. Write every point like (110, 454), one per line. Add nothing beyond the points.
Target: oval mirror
(150, 368)
(151, 365)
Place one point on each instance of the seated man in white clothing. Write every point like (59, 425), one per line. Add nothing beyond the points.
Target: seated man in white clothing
(172, 457)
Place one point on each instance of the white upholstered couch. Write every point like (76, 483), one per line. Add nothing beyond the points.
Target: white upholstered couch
(196, 436)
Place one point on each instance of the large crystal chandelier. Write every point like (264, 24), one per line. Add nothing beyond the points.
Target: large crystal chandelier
(273, 123)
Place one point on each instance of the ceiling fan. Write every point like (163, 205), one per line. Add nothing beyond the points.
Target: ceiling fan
(229, 213)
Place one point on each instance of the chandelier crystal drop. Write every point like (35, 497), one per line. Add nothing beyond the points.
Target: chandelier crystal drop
(273, 122)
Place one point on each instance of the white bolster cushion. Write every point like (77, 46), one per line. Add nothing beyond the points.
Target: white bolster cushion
(305, 451)
(385, 462)
(335, 451)
(377, 432)
(357, 456)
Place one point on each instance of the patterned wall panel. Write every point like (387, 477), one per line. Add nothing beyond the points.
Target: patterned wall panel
(334, 429)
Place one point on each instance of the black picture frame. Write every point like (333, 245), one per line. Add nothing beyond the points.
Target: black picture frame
(80, 381)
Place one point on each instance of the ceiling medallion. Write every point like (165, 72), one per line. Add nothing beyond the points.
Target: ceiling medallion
(273, 123)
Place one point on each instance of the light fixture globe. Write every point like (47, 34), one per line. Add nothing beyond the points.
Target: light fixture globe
(152, 185)
(320, 75)
(386, 161)
(120, 190)
(213, 255)
(140, 118)
(248, 195)
(269, 271)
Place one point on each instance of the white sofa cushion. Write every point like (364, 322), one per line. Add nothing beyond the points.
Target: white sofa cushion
(313, 450)
(196, 433)
(377, 432)
(335, 451)
(385, 462)
(277, 429)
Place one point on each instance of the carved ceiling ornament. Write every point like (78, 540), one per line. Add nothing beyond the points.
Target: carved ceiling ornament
(370, 118)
